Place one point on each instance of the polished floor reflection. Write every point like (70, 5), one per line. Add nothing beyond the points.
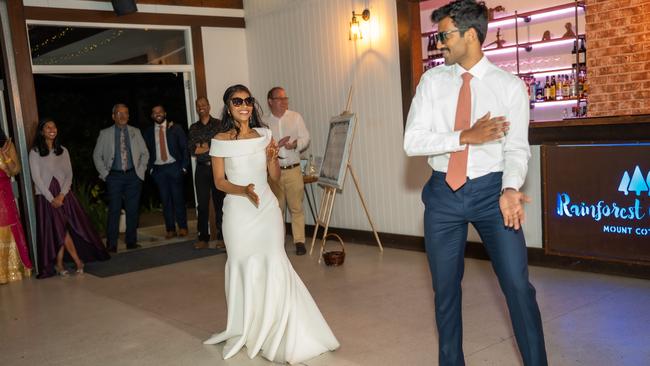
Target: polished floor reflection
(379, 306)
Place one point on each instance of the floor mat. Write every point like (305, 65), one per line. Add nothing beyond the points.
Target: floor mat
(141, 259)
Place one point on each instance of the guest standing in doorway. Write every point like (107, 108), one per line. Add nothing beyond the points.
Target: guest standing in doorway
(168, 164)
(200, 136)
(63, 226)
(121, 158)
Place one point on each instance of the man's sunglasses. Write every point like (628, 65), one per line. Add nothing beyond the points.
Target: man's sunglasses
(442, 37)
(237, 102)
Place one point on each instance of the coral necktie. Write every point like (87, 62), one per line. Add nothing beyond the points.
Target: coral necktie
(163, 144)
(457, 168)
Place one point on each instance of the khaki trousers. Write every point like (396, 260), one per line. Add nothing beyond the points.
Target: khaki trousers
(290, 190)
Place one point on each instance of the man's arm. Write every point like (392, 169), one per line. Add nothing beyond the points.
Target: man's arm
(516, 150)
(98, 157)
(193, 140)
(182, 144)
(303, 135)
(420, 137)
(143, 161)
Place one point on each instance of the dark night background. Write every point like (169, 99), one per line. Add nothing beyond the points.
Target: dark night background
(81, 104)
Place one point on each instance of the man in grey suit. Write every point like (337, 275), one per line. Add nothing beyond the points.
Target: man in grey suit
(121, 158)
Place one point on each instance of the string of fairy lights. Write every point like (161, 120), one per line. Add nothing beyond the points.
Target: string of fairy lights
(55, 60)
(50, 40)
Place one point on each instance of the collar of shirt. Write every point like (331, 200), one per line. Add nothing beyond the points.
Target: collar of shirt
(477, 71)
(162, 125)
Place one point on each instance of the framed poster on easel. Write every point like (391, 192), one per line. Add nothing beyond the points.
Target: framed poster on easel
(337, 150)
(336, 164)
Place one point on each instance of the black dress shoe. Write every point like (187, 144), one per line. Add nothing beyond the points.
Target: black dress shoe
(300, 249)
(133, 246)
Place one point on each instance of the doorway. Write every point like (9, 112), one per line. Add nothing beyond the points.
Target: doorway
(81, 105)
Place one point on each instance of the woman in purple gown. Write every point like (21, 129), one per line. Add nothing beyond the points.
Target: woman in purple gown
(63, 226)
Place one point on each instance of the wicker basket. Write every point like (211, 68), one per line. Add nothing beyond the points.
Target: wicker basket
(335, 257)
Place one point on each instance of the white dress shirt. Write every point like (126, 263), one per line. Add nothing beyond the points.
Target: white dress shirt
(290, 124)
(430, 123)
(170, 158)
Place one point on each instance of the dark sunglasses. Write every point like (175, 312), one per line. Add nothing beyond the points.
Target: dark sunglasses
(442, 37)
(237, 102)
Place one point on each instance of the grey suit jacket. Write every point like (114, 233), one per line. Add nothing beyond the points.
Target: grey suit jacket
(104, 153)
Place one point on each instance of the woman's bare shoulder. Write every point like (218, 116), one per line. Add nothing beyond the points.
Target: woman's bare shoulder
(228, 135)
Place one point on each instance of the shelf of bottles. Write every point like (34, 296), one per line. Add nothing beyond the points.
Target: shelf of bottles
(556, 83)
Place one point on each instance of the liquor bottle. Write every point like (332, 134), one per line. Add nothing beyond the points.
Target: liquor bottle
(553, 88)
(532, 92)
(431, 47)
(547, 90)
(558, 88)
(574, 87)
(580, 84)
(539, 92)
(575, 47)
(582, 53)
(566, 87)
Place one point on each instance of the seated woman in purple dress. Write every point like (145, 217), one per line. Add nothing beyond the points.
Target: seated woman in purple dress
(63, 226)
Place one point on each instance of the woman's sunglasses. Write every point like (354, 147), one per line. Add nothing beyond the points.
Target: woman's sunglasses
(237, 102)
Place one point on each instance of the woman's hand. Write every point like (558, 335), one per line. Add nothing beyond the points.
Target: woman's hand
(250, 192)
(272, 151)
(58, 201)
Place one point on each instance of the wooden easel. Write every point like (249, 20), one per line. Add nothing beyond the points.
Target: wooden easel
(327, 202)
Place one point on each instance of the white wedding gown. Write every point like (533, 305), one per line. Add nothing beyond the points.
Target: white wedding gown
(269, 308)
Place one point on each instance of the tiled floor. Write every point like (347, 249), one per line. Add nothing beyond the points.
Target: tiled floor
(379, 306)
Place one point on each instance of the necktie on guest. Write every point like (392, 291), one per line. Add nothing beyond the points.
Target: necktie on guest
(124, 154)
(163, 144)
(457, 168)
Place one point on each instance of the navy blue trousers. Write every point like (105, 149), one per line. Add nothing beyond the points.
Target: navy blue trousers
(204, 186)
(446, 217)
(122, 187)
(169, 179)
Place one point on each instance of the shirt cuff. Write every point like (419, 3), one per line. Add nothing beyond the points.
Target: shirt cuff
(455, 138)
(511, 182)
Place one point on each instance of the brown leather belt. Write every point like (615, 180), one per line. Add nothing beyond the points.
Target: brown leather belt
(290, 166)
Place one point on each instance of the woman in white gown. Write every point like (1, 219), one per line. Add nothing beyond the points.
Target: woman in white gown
(269, 308)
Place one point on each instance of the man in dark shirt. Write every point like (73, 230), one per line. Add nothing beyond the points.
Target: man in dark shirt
(201, 133)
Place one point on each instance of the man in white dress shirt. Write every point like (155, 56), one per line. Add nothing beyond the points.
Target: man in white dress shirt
(290, 132)
(471, 119)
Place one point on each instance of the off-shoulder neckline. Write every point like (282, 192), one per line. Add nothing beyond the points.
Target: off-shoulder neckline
(258, 129)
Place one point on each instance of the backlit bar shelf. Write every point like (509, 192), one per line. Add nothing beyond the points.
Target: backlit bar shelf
(547, 72)
(527, 46)
(555, 103)
(544, 13)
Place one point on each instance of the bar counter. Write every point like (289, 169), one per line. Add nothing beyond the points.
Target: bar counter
(591, 129)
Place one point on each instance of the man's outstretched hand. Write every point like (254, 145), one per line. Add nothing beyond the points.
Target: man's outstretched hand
(511, 204)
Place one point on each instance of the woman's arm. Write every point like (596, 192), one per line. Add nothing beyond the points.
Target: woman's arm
(66, 167)
(222, 184)
(272, 162)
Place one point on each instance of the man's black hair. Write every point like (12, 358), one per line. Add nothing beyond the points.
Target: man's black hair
(465, 14)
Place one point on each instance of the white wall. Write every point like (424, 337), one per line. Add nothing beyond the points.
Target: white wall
(304, 46)
(226, 62)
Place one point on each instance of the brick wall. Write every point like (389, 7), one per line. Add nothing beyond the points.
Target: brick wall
(618, 57)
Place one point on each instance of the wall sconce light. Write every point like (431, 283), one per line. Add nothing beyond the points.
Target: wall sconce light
(355, 29)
